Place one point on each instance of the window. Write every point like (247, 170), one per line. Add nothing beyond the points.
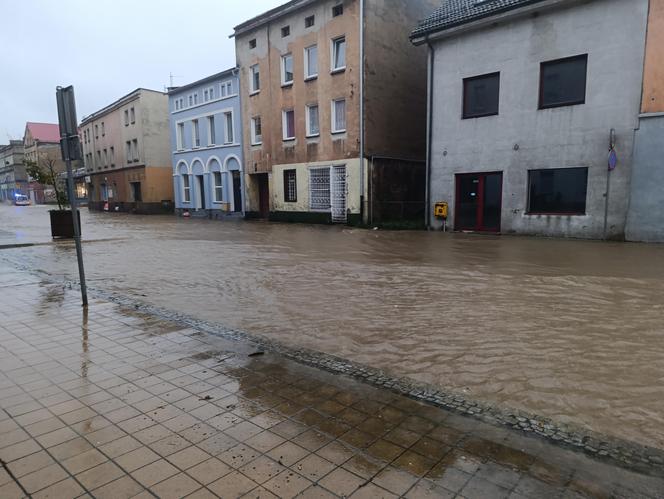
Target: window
(196, 99)
(558, 191)
(196, 133)
(256, 131)
(128, 151)
(255, 78)
(285, 31)
(103, 129)
(191, 100)
(313, 127)
(212, 133)
(106, 157)
(319, 189)
(563, 82)
(181, 102)
(177, 105)
(211, 93)
(180, 137)
(311, 62)
(287, 69)
(206, 95)
(288, 118)
(229, 87)
(112, 156)
(99, 163)
(186, 188)
(338, 115)
(337, 10)
(290, 186)
(228, 120)
(218, 187)
(339, 54)
(135, 146)
(132, 113)
(252, 43)
(96, 131)
(309, 21)
(480, 95)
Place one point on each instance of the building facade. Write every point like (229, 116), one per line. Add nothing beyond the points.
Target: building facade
(329, 88)
(206, 145)
(645, 220)
(127, 156)
(13, 177)
(527, 99)
(41, 145)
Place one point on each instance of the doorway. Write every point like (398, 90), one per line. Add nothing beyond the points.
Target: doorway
(237, 191)
(200, 179)
(478, 201)
(263, 195)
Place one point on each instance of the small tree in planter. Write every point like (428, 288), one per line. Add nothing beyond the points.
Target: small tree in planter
(45, 172)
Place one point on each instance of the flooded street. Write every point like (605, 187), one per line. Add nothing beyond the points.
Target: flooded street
(572, 330)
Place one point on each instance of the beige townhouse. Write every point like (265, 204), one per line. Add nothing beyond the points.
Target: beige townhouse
(334, 111)
(126, 150)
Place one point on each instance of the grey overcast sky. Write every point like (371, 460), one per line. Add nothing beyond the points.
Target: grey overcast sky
(107, 48)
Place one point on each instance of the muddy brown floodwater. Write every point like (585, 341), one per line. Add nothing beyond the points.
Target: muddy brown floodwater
(572, 330)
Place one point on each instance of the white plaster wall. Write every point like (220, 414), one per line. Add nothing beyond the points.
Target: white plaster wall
(612, 33)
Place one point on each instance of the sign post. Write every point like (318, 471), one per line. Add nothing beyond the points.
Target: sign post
(71, 151)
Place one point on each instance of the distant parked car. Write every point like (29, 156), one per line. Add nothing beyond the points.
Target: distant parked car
(21, 200)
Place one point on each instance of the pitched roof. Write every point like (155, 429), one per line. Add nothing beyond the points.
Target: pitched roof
(454, 13)
(271, 15)
(44, 132)
(222, 74)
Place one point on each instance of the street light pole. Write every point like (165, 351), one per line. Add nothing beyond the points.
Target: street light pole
(70, 146)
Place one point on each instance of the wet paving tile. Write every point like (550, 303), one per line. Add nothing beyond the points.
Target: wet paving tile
(167, 411)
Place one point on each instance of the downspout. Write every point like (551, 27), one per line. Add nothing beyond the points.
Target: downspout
(427, 191)
(362, 200)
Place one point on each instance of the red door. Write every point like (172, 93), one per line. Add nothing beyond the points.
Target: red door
(478, 201)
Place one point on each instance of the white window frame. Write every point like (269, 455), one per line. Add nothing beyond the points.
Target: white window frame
(132, 114)
(195, 134)
(307, 74)
(307, 119)
(256, 140)
(134, 144)
(128, 150)
(211, 91)
(333, 54)
(186, 188)
(179, 136)
(285, 82)
(212, 130)
(255, 69)
(334, 116)
(229, 138)
(126, 117)
(195, 98)
(284, 124)
(215, 198)
(206, 95)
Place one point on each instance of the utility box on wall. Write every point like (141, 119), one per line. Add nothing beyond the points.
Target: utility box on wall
(440, 210)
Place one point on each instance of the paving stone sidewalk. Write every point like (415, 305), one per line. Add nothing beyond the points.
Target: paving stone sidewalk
(112, 404)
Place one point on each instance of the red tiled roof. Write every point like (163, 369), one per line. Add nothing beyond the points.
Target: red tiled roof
(44, 132)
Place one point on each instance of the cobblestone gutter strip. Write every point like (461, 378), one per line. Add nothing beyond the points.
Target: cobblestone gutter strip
(647, 460)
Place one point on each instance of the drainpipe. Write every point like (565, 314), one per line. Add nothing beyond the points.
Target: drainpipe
(427, 192)
(362, 110)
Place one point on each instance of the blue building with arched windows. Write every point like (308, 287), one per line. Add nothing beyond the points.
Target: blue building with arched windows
(206, 142)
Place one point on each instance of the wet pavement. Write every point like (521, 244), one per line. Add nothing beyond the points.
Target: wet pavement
(570, 330)
(116, 403)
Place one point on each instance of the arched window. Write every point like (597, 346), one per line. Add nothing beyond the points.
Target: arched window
(217, 180)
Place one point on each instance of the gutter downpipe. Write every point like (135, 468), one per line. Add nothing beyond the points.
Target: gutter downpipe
(427, 192)
(362, 182)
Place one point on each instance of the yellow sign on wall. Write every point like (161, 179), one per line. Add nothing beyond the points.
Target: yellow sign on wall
(440, 209)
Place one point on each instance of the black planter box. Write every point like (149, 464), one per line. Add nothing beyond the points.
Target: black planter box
(62, 224)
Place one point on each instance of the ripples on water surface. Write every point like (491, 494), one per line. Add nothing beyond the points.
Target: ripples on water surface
(573, 330)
